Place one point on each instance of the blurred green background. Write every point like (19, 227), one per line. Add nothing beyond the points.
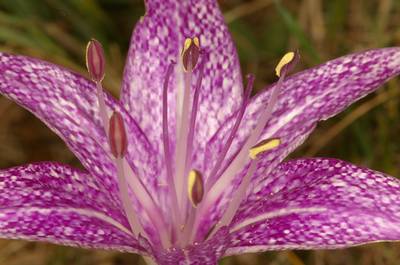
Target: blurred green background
(366, 134)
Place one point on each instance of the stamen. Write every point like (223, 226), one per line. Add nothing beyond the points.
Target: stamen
(263, 146)
(95, 63)
(117, 136)
(190, 54)
(287, 60)
(126, 201)
(213, 175)
(148, 204)
(167, 154)
(242, 157)
(102, 106)
(193, 118)
(240, 192)
(118, 146)
(95, 60)
(195, 187)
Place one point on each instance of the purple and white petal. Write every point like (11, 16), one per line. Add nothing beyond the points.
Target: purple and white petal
(318, 203)
(58, 204)
(313, 95)
(67, 103)
(216, 210)
(200, 253)
(157, 39)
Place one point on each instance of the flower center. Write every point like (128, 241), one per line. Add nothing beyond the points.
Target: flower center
(188, 210)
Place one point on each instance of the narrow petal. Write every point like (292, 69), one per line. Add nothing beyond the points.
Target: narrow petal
(318, 203)
(58, 204)
(312, 95)
(67, 103)
(157, 39)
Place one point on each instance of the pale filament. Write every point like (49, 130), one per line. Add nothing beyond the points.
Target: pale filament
(214, 173)
(181, 148)
(176, 217)
(240, 159)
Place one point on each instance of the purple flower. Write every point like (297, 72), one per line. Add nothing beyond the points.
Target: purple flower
(186, 168)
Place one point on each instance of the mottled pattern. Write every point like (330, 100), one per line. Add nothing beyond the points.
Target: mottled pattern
(215, 211)
(210, 251)
(158, 39)
(67, 103)
(306, 98)
(318, 203)
(313, 95)
(200, 253)
(56, 203)
(311, 203)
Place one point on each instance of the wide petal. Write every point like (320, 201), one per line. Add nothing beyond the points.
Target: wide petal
(58, 204)
(157, 39)
(318, 203)
(310, 96)
(67, 103)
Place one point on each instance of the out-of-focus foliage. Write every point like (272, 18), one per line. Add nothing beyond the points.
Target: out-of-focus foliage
(366, 134)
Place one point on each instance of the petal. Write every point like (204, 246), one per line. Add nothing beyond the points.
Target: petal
(313, 95)
(58, 204)
(67, 103)
(210, 251)
(157, 39)
(306, 98)
(215, 211)
(204, 253)
(318, 203)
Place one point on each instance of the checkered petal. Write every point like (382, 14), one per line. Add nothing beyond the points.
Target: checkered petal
(58, 204)
(317, 203)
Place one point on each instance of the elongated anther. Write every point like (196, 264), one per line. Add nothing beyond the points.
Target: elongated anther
(264, 146)
(190, 53)
(95, 60)
(195, 187)
(288, 61)
(117, 135)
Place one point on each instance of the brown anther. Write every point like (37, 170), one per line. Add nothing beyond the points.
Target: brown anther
(117, 136)
(95, 60)
(195, 187)
(190, 53)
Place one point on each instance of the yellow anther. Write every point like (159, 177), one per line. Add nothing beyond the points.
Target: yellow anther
(195, 187)
(186, 45)
(264, 146)
(286, 59)
(196, 42)
(190, 53)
